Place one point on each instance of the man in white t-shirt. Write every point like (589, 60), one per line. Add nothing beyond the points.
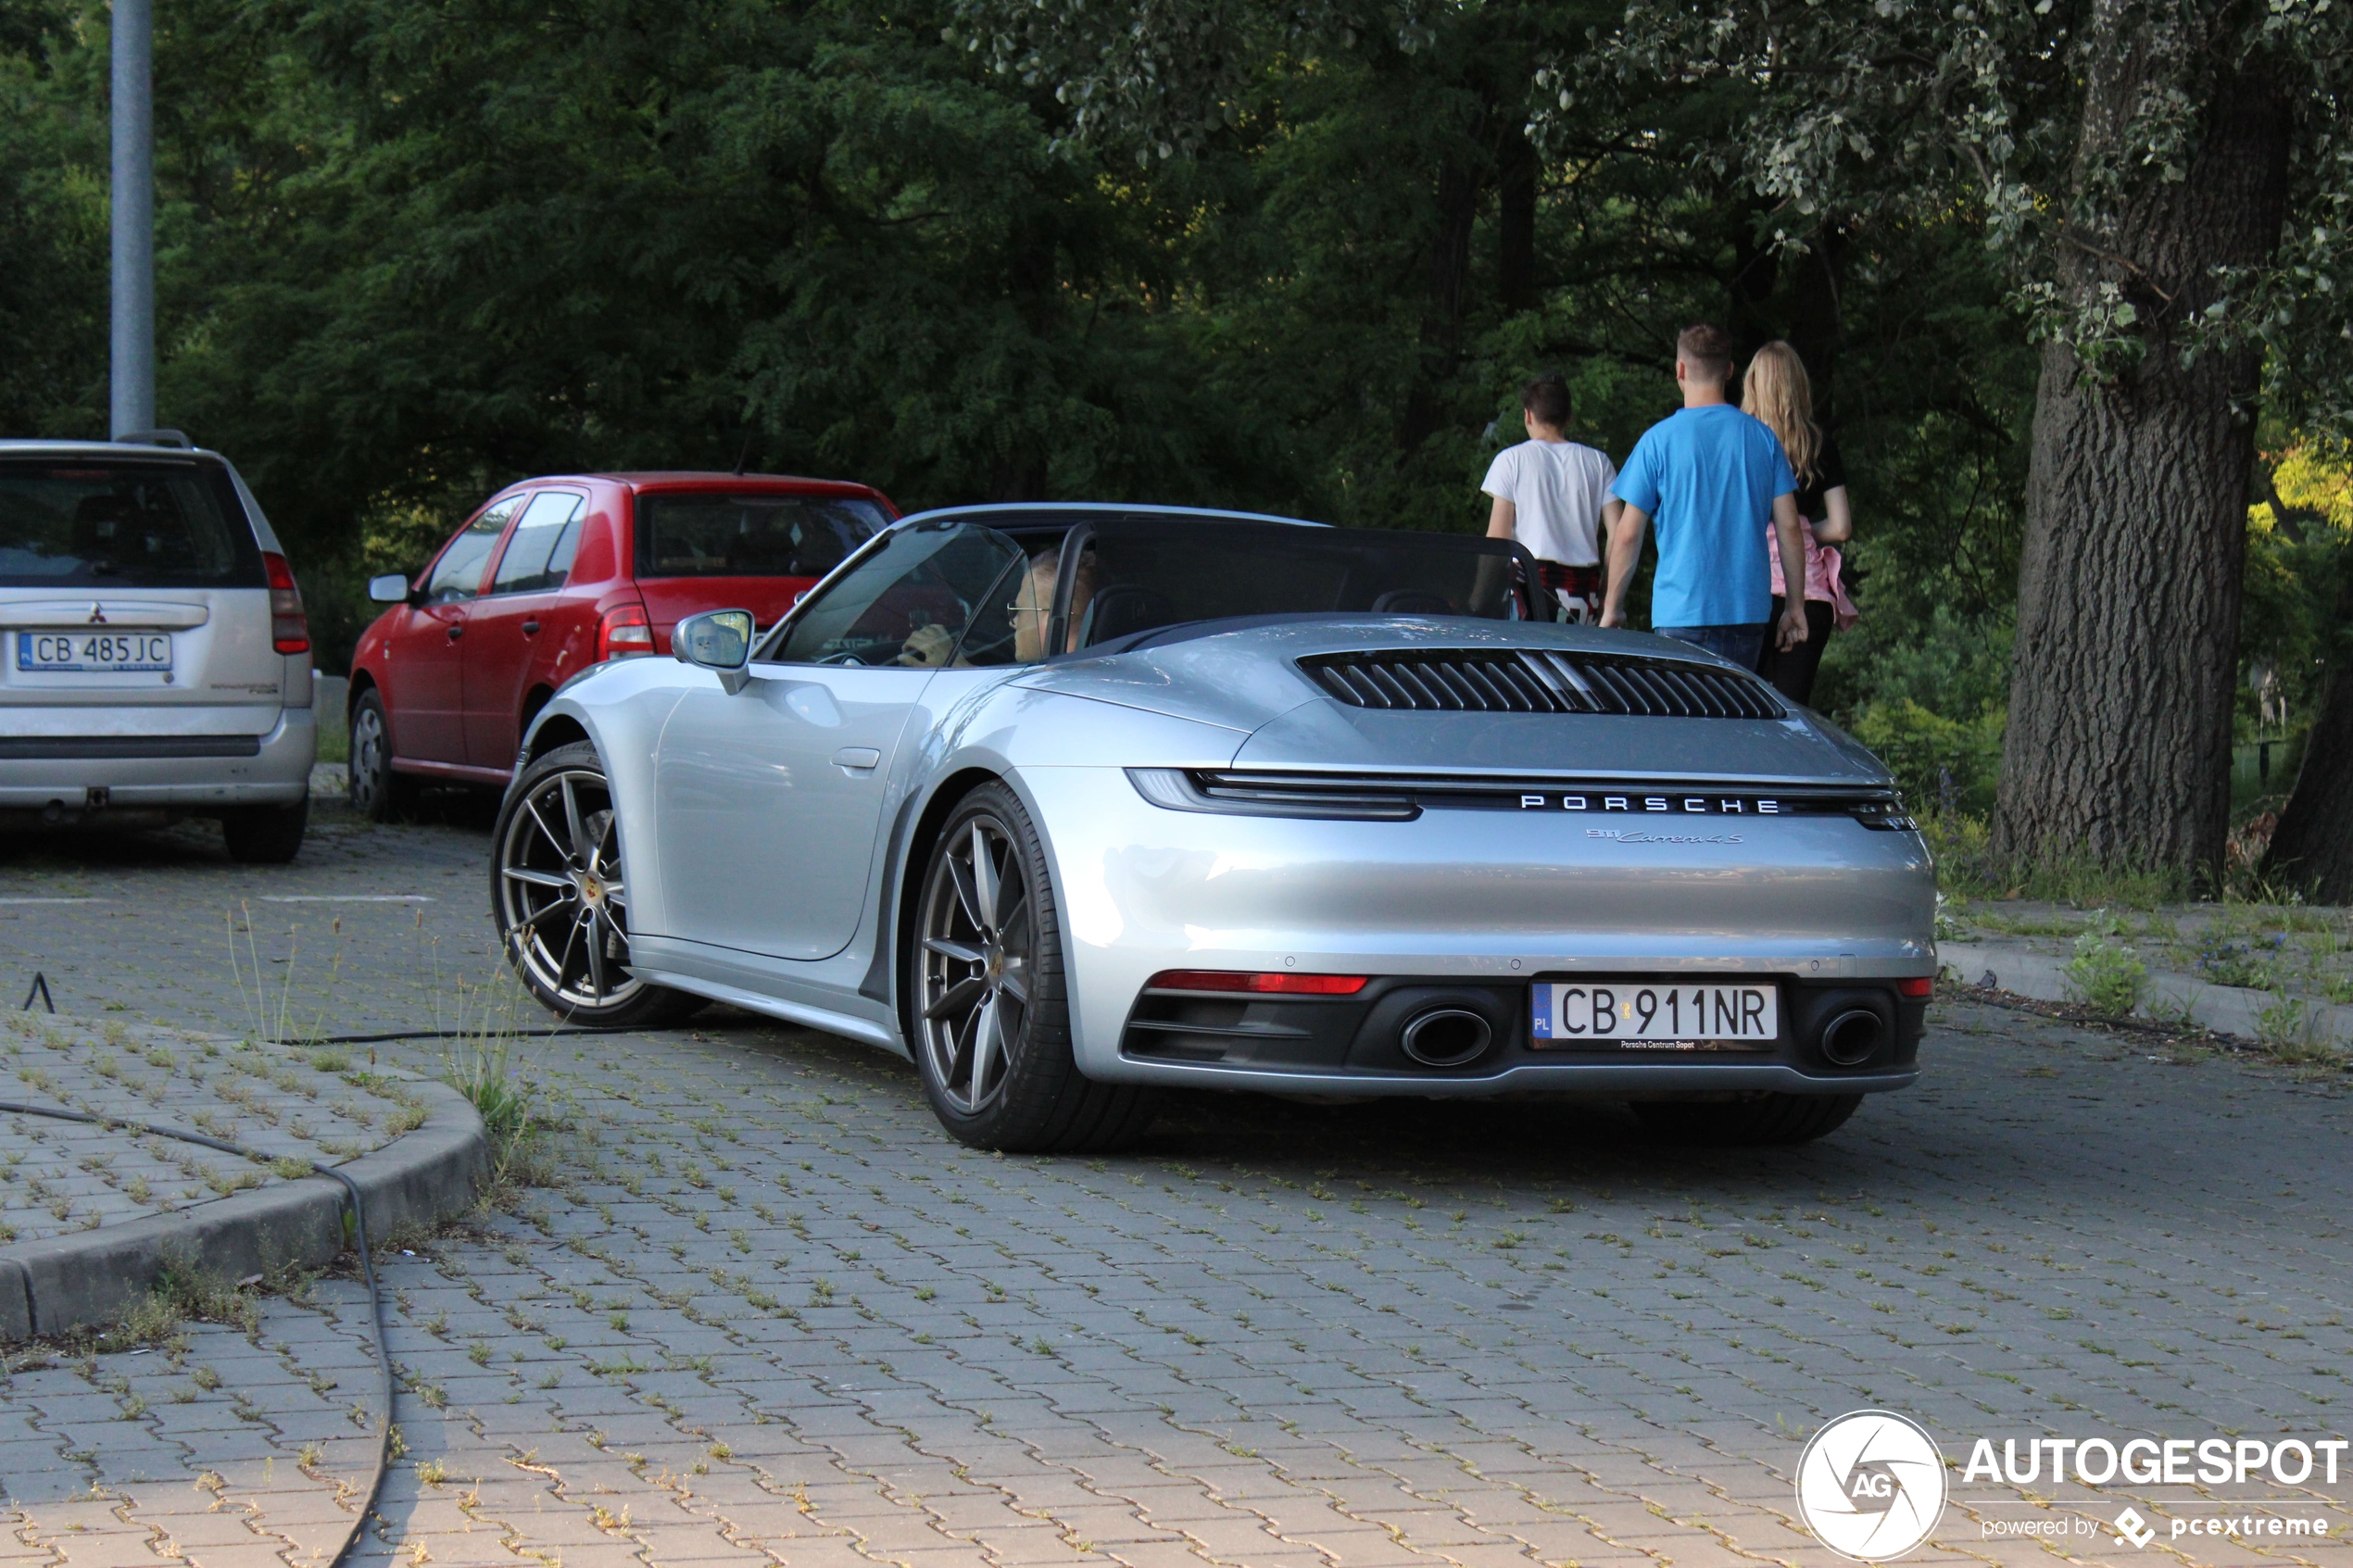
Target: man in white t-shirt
(1552, 496)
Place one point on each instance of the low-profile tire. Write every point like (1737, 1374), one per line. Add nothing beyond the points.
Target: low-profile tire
(989, 1015)
(265, 836)
(560, 902)
(1748, 1121)
(376, 792)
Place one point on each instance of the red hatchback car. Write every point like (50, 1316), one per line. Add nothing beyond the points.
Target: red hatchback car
(557, 574)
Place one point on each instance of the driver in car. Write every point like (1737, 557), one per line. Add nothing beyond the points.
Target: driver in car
(929, 646)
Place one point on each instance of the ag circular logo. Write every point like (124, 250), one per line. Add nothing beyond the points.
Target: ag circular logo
(1870, 1486)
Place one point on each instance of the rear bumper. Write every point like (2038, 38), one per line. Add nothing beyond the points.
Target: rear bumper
(1466, 909)
(178, 772)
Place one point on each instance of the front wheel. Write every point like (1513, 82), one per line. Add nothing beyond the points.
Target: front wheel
(991, 1024)
(1749, 1120)
(560, 901)
(377, 793)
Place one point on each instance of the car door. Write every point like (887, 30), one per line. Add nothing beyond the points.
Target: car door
(505, 625)
(769, 800)
(425, 658)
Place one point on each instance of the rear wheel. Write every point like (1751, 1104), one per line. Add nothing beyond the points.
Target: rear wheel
(992, 1018)
(265, 836)
(1750, 1120)
(561, 904)
(376, 791)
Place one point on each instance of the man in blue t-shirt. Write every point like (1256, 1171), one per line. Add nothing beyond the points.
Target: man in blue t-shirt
(1710, 476)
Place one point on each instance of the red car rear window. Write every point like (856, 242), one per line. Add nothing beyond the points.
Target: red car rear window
(720, 534)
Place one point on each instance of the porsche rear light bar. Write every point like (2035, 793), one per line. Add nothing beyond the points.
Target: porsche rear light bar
(289, 628)
(1280, 983)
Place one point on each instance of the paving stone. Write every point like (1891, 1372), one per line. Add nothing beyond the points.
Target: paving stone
(998, 1364)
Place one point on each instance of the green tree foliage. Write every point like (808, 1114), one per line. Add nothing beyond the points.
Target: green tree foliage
(410, 251)
(2165, 187)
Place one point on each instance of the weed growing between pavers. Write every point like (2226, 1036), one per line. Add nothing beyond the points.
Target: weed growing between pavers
(61, 1177)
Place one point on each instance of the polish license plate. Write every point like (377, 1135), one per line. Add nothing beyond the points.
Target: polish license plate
(1647, 1015)
(94, 652)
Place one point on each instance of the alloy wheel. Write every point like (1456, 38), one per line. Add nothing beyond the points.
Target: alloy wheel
(977, 935)
(370, 764)
(563, 908)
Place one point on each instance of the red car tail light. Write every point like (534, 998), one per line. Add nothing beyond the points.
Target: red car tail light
(625, 630)
(1919, 988)
(1285, 984)
(289, 628)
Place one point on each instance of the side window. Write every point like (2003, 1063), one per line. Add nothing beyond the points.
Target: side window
(457, 574)
(909, 603)
(539, 555)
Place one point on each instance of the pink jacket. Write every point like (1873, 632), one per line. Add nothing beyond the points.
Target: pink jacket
(1823, 582)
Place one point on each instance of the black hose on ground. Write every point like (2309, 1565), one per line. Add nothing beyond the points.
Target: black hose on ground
(446, 1035)
(367, 1269)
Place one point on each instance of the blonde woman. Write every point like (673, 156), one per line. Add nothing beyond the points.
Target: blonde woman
(1776, 390)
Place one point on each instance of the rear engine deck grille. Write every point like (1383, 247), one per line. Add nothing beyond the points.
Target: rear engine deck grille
(1540, 680)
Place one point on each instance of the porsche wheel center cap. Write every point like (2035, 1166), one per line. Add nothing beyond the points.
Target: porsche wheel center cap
(591, 889)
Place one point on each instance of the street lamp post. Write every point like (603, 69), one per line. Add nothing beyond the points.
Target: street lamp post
(132, 382)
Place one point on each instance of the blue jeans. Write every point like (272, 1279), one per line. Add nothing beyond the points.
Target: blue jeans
(1741, 645)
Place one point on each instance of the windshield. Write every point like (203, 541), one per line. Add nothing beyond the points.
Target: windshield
(1135, 576)
(725, 534)
(911, 602)
(107, 523)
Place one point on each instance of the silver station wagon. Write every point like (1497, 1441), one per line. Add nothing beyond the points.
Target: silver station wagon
(156, 662)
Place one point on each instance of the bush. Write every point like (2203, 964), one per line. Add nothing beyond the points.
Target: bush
(1962, 849)
(2105, 974)
(1941, 764)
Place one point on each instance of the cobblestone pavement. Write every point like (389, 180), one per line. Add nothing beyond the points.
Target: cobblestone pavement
(303, 1108)
(769, 1312)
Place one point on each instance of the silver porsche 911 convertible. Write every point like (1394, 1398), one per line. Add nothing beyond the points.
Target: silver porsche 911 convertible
(1071, 804)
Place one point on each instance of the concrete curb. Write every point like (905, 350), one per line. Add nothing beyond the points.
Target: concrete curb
(2226, 1009)
(92, 1277)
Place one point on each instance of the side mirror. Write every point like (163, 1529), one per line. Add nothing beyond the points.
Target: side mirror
(718, 640)
(390, 589)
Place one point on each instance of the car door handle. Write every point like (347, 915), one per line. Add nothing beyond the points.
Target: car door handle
(859, 756)
(531, 628)
(457, 630)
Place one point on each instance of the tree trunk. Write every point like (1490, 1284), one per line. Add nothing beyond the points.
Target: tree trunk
(1449, 253)
(2119, 746)
(1515, 223)
(2313, 844)
(1816, 317)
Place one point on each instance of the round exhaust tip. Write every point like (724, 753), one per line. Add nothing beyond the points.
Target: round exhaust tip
(1446, 1037)
(1853, 1036)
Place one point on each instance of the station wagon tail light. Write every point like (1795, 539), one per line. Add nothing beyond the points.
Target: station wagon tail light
(1921, 986)
(1280, 984)
(289, 628)
(625, 630)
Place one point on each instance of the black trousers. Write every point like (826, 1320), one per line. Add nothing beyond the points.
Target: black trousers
(1793, 673)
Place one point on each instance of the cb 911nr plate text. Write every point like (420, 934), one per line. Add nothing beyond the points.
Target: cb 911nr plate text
(1626, 1013)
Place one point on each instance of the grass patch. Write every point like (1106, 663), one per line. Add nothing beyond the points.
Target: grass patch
(1962, 843)
(502, 1084)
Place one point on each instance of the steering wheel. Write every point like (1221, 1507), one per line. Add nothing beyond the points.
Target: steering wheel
(845, 657)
